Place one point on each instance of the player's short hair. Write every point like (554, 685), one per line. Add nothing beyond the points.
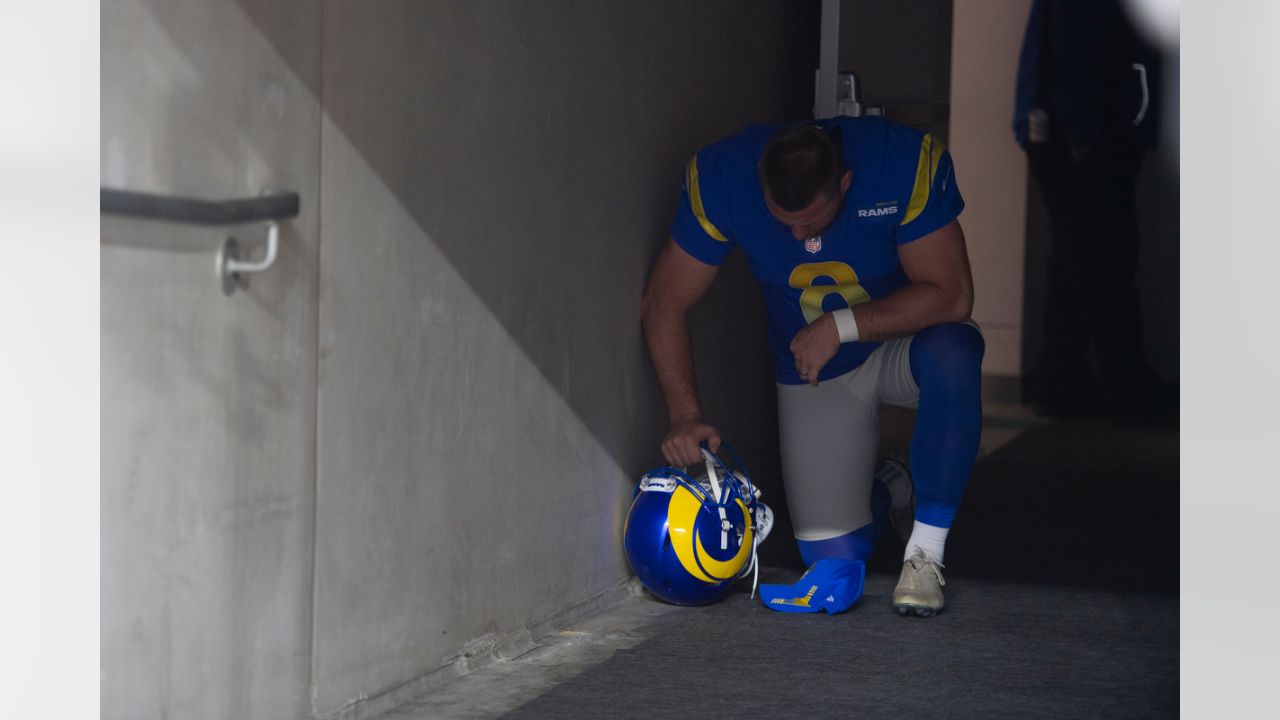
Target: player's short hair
(798, 164)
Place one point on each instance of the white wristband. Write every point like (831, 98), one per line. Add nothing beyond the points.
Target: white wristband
(845, 324)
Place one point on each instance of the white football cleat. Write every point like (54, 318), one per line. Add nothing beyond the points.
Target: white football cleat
(919, 590)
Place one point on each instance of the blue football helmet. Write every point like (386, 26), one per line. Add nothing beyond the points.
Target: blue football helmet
(687, 540)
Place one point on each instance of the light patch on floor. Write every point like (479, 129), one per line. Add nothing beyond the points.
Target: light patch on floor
(551, 659)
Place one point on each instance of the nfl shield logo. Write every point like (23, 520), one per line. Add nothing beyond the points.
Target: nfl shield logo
(813, 244)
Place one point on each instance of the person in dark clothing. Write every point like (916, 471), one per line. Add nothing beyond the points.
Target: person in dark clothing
(1086, 107)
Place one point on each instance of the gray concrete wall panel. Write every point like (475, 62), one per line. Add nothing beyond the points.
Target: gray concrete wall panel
(498, 177)
(208, 402)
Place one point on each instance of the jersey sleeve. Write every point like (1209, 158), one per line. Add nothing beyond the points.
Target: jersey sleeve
(701, 223)
(935, 198)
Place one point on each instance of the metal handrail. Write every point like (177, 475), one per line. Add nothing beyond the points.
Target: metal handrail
(276, 206)
(270, 207)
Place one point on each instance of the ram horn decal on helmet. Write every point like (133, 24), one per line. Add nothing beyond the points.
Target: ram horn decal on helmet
(688, 539)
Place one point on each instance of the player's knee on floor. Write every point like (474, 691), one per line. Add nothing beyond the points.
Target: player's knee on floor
(856, 545)
(947, 358)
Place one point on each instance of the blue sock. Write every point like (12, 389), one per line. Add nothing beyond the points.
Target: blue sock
(856, 545)
(946, 362)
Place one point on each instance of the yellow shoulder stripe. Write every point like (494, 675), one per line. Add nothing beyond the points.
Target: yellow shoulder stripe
(695, 199)
(931, 150)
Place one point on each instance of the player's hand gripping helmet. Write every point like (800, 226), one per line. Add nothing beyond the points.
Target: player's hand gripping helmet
(688, 540)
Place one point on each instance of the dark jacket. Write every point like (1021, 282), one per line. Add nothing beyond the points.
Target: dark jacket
(1077, 64)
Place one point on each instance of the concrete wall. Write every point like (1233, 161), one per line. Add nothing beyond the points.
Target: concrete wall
(441, 390)
(991, 170)
(497, 179)
(901, 52)
(208, 402)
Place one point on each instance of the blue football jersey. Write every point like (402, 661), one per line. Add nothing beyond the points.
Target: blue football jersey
(903, 188)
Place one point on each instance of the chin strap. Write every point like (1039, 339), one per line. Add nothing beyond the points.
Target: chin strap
(725, 526)
(755, 565)
(764, 523)
(761, 517)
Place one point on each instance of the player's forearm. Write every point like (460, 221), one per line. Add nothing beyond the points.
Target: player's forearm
(911, 309)
(667, 334)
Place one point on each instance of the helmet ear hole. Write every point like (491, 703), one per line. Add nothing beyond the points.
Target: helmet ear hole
(666, 542)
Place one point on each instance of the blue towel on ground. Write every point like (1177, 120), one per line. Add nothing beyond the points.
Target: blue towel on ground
(830, 584)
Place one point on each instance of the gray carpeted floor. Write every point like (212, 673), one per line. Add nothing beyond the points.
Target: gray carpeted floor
(1062, 603)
